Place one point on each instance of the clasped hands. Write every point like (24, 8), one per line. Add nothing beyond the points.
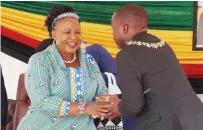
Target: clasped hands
(105, 106)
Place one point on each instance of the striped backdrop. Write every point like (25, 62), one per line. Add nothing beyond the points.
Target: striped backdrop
(171, 21)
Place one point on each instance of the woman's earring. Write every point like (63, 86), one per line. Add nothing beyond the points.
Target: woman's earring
(54, 41)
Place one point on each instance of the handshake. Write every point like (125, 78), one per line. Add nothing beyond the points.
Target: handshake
(105, 106)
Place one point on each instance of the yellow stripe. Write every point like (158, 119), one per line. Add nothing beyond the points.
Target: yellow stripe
(32, 25)
(61, 106)
(72, 86)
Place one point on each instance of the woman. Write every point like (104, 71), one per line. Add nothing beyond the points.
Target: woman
(106, 63)
(63, 81)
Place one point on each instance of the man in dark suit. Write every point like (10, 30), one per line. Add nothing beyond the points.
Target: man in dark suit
(154, 86)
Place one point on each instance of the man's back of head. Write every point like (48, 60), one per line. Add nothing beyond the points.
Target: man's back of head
(133, 14)
(128, 21)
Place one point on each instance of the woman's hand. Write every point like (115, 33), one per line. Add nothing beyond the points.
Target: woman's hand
(97, 108)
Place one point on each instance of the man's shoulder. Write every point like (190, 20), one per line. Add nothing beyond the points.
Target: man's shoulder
(124, 54)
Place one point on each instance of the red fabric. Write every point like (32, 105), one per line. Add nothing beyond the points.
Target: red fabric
(19, 37)
(191, 70)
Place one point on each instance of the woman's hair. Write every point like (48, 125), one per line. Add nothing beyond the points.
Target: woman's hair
(55, 12)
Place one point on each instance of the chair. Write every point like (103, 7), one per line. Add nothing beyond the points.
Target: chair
(22, 103)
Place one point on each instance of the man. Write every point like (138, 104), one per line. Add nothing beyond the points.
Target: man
(154, 86)
(106, 63)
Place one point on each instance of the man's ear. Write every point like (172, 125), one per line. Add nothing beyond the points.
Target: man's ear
(125, 28)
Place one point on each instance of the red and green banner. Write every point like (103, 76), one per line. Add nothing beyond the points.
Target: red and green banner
(171, 21)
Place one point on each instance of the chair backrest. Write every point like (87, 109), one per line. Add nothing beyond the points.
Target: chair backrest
(22, 103)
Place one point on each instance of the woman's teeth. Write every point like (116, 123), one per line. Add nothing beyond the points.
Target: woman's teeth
(72, 44)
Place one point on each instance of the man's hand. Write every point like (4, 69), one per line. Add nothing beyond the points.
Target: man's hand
(107, 98)
(113, 112)
(97, 108)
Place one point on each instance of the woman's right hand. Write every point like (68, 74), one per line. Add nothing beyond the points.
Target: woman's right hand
(97, 108)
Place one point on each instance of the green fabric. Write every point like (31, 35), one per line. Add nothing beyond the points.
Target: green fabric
(162, 15)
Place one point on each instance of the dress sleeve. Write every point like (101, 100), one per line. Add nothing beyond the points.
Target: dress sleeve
(38, 89)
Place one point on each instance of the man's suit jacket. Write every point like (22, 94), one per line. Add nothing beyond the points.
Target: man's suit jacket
(148, 63)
